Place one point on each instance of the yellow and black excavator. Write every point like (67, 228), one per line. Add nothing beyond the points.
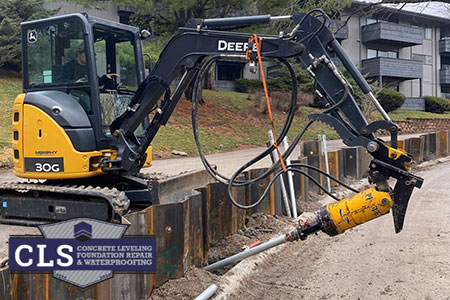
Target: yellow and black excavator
(88, 114)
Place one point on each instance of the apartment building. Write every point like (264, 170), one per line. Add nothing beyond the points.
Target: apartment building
(403, 50)
(102, 9)
(408, 51)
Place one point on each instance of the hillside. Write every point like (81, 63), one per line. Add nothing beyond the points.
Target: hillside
(228, 121)
(10, 87)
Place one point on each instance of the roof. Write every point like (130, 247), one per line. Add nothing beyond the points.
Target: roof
(433, 11)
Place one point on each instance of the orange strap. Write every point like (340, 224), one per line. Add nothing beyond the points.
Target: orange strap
(257, 41)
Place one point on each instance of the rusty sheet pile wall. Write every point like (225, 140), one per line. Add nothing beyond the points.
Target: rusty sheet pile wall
(195, 213)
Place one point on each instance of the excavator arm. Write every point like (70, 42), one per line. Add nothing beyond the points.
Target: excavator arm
(312, 45)
(181, 57)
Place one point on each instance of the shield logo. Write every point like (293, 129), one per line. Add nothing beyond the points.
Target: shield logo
(83, 251)
(83, 229)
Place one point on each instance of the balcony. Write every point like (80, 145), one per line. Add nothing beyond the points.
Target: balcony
(444, 46)
(342, 34)
(392, 34)
(444, 76)
(392, 67)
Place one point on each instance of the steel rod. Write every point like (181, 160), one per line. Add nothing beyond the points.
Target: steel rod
(280, 18)
(281, 180)
(379, 107)
(290, 180)
(244, 254)
(325, 156)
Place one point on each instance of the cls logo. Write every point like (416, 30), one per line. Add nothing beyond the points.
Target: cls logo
(46, 167)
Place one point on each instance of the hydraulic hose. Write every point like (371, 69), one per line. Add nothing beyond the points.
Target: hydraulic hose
(233, 181)
(195, 101)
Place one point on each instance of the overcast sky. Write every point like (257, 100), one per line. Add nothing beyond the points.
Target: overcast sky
(430, 8)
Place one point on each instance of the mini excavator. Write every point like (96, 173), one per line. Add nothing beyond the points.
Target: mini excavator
(84, 138)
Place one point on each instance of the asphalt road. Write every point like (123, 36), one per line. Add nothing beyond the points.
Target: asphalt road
(228, 162)
(370, 261)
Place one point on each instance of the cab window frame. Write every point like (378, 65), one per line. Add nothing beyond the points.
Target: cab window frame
(112, 66)
(66, 86)
(131, 39)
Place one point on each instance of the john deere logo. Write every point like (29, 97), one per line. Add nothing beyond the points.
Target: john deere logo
(32, 36)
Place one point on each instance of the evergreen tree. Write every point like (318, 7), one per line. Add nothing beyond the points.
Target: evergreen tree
(12, 13)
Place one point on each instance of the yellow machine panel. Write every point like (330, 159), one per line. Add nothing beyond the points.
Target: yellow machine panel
(17, 143)
(148, 161)
(45, 151)
(397, 153)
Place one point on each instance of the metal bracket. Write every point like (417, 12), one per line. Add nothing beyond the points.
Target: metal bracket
(406, 182)
(383, 124)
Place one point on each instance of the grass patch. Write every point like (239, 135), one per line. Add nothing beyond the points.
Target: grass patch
(404, 114)
(228, 121)
(10, 87)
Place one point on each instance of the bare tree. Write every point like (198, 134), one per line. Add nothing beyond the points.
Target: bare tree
(406, 1)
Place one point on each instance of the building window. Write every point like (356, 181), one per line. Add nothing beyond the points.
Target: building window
(124, 13)
(428, 33)
(372, 53)
(124, 19)
(426, 59)
(371, 20)
(445, 92)
(229, 71)
(445, 63)
(375, 19)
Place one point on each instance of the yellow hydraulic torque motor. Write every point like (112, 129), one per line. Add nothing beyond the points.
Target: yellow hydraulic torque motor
(337, 217)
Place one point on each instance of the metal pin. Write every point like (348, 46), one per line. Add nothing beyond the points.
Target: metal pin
(310, 71)
(319, 94)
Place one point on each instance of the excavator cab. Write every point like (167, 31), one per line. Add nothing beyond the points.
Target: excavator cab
(61, 122)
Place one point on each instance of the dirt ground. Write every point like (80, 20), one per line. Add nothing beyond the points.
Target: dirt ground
(370, 261)
(367, 262)
(187, 288)
(259, 228)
